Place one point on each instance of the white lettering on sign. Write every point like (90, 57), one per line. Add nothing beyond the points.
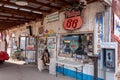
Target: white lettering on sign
(52, 17)
(70, 14)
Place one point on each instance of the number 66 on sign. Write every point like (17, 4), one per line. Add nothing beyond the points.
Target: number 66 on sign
(73, 23)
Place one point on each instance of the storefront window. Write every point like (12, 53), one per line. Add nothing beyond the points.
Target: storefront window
(76, 45)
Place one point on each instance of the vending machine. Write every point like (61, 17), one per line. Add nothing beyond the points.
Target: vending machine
(109, 59)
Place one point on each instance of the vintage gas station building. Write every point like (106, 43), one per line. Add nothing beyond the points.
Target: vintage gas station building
(76, 38)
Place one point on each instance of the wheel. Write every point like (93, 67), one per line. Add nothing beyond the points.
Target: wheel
(2, 61)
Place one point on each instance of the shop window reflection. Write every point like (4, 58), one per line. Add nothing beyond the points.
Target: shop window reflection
(76, 45)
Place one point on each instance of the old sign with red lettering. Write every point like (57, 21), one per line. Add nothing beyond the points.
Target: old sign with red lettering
(73, 20)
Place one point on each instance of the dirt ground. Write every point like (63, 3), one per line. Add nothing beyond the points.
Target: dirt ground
(19, 71)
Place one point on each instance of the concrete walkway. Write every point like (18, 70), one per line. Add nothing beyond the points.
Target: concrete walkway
(18, 71)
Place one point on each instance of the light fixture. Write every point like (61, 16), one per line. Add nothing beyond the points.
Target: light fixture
(84, 1)
(21, 2)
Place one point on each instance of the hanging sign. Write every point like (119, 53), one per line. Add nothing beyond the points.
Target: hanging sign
(73, 20)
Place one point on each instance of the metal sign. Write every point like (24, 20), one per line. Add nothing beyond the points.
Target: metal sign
(73, 20)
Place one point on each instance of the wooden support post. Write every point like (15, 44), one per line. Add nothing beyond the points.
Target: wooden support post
(95, 61)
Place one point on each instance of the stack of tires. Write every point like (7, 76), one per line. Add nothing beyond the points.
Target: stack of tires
(3, 56)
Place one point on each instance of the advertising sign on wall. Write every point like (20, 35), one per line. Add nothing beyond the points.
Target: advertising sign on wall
(99, 29)
(116, 10)
(52, 17)
(73, 20)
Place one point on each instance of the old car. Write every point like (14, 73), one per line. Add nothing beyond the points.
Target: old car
(3, 56)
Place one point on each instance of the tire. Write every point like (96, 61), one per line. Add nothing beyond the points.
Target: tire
(1, 62)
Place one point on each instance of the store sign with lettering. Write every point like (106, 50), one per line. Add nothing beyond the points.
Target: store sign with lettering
(52, 17)
(116, 28)
(73, 20)
(99, 31)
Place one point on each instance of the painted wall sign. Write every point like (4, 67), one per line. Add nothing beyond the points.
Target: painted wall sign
(99, 31)
(73, 20)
